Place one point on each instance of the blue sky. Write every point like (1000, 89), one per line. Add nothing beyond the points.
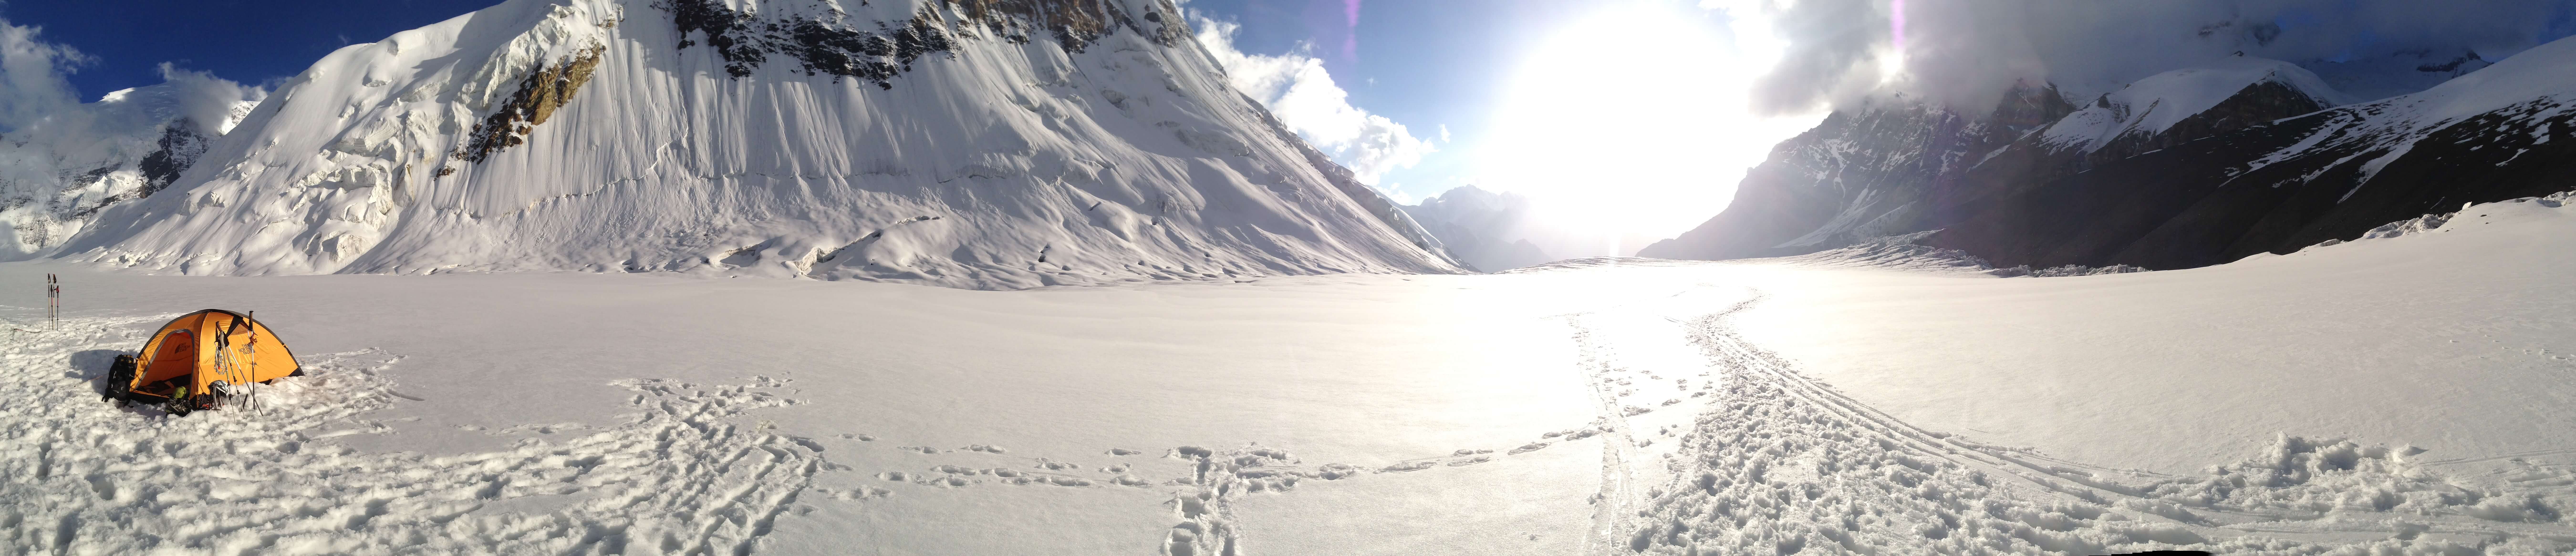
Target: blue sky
(1425, 63)
(1422, 63)
(251, 41)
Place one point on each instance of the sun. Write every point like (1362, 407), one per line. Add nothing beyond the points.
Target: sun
(1634, 120)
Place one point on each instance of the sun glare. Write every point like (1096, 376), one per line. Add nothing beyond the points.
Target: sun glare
(1633, 121)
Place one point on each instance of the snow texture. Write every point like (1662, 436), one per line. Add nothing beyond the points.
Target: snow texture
(922, 142)
(2150, 106)
(2434, 222)
(1784, 463)
(672, 477)
(1630, 405)
(1905, 252)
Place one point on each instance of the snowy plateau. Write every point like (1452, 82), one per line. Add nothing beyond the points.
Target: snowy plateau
(599, 277)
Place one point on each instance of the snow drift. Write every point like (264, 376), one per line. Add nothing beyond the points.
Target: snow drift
(966, 144)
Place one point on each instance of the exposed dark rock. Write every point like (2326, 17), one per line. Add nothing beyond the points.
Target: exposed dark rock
(1861, 174)
(180, 146)
(827, 47)
(2209, 202)
(2029, 162)
(1893, 171)
(540, 94)
(745, 41)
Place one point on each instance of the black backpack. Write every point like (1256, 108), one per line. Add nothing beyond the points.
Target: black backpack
(120, 379)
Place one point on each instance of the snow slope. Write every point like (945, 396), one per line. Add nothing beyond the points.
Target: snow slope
(2155, 104)
(2398, 395)
(967, 144)
(2534, 86)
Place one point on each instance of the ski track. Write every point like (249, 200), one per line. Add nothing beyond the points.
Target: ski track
(1710, 445)
(676, 477)
(1781, 464)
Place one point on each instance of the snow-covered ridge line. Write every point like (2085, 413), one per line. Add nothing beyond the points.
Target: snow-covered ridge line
(2531, 87)
(596, 135)
(2154, 105)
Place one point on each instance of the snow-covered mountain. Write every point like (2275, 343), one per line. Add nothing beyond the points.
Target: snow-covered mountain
(1494, 232)
(2497, 133)
(958, 143)
(1860, 174)
(1486, 230)
(55, 177)
(2139, 176)
(2175, 106)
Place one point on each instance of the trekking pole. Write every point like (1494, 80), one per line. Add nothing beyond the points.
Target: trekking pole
(53, 302)
(253, 317)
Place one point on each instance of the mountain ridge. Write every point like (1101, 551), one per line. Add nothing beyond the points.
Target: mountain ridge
(2490, 135)
(2106, 183)
(622, 135)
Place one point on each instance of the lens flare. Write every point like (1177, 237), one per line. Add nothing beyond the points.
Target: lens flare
(1634, 122)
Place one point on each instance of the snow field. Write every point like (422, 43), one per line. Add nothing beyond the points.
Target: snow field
(2400, 395)
(673, 477)
(682, 474)
(839, 455)
(1783, 464)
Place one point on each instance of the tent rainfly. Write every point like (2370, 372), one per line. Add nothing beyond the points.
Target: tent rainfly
(198, 360)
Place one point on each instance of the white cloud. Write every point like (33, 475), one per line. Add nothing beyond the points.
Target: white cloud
(206, 99)
(1968, 52)
(1296, 88)
(33, 92)
(1444, 133)
(39, 105)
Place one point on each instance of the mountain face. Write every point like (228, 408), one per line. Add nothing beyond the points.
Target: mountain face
(1861, 174)
(962, 143)
(1904, 169)
(2501, 132)
(135, 142)
(1489, 231)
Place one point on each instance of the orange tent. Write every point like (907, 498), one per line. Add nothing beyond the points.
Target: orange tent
(183, 362)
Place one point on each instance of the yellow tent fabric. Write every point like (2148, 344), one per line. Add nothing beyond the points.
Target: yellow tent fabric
(210, 345)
